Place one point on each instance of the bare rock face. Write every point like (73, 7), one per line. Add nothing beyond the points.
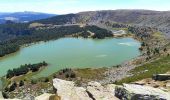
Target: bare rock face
(139, 92)
(94, 91)
(161, 77)
(98, 92)
(67, 90)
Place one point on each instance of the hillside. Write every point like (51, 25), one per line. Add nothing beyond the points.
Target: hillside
(12, 36)
(158, 19)
(23, 16)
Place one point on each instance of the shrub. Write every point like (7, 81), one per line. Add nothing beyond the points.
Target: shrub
(67, 75)
(46, 79)
(33, 81)
(21, 83)
(12, 87)
(73, 75)
(5, 95)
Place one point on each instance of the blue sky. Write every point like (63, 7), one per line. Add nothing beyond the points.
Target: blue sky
(74, 6)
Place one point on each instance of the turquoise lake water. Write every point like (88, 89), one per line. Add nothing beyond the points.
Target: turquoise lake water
(73, 53)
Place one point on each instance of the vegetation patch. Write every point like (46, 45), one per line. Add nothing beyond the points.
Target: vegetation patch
(80, 76)
(159, 66)
(24, 69)
(18, 86)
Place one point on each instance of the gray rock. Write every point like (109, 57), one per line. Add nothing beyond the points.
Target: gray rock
(161, 77)
(139, 92)
(98, 92)
(68, 91)
(94, 91)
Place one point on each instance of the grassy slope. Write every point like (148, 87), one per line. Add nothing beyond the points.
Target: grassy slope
(90, 74)
(83, 76)
(27, 78)
(159, 66)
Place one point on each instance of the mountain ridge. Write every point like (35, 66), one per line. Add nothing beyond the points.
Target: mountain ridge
(157, 19)
(113, 14)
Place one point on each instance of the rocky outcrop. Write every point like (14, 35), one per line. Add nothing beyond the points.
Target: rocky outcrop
(94, 91)
(139, 92)
(98, 92)
(161, 77)
(68, 91)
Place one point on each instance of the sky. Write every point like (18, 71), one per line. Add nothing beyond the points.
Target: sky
(74, 6)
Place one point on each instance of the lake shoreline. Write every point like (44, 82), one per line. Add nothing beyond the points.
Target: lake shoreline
(113, 73)
(34, 43)
(27, 45)
(116, 74)
(123, 72)
(107, 75)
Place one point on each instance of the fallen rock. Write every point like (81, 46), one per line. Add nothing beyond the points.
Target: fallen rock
(139, 92)
(94, 91)
(161, 77)
(98, 92)
(111, 88)
(68, 91)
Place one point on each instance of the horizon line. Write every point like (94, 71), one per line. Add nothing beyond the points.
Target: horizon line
(84, 11)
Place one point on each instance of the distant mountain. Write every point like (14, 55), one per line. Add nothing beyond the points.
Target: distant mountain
(140, 17)
(159, 19)
(23, 16)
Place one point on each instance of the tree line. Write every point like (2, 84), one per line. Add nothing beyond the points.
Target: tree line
(12, 36)
(24, 69)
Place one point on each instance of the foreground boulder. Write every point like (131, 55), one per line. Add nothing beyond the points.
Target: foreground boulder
(67, 90)
(139, 92)
(94, 91)
(98, 92)
(161, 77)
